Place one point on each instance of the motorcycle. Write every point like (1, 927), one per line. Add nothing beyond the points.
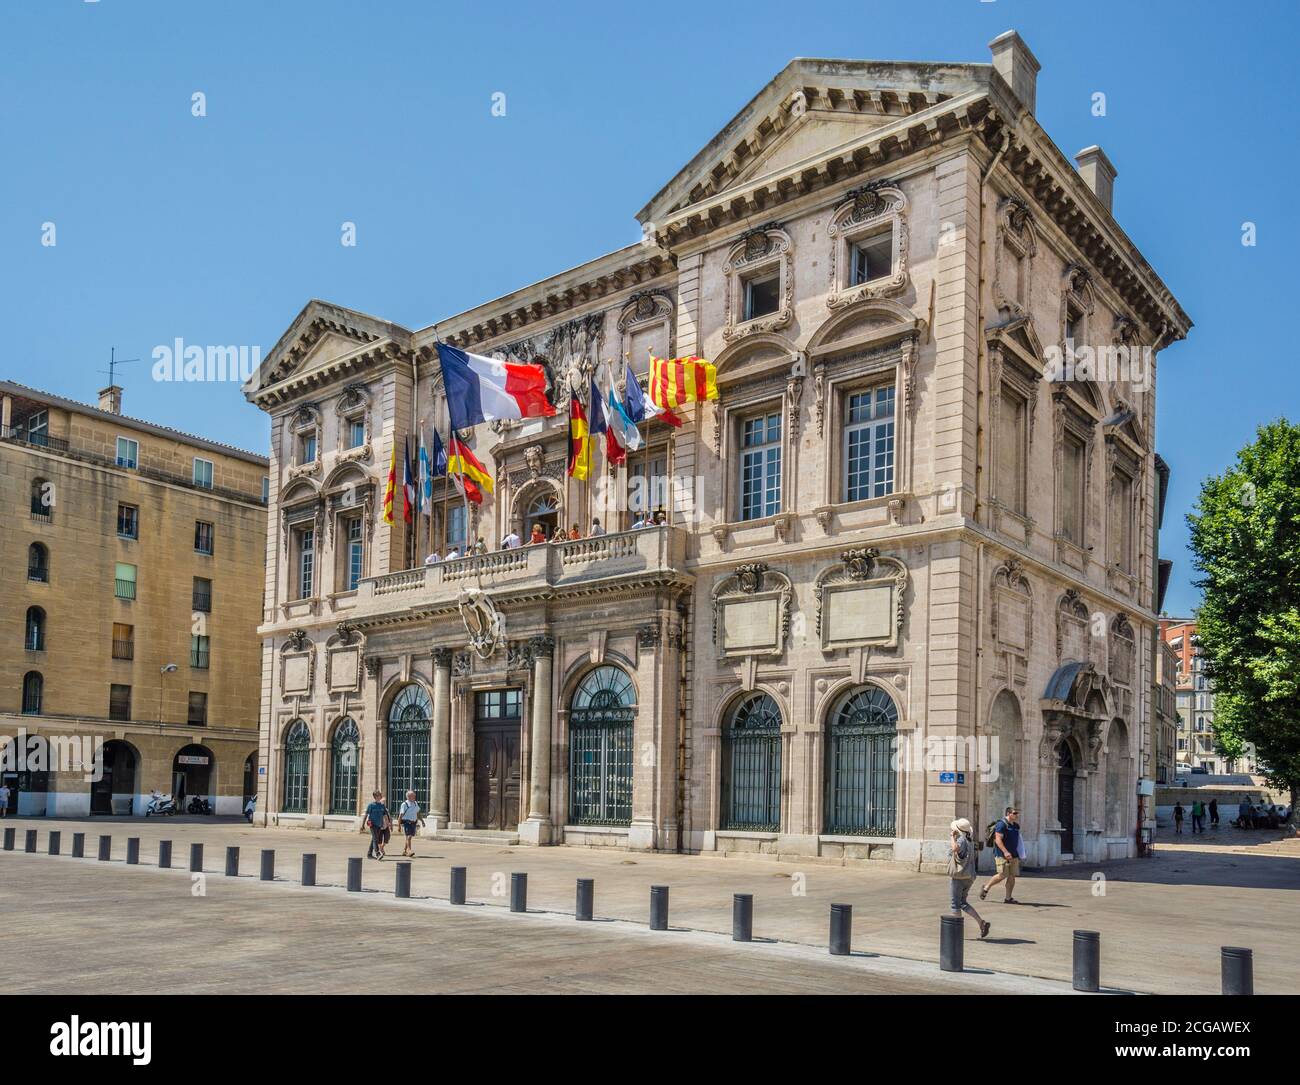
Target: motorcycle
(199, 806)
(161, 805)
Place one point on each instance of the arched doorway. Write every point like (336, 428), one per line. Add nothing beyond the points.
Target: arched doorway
(345, 760)
(1005, 728)
(1065, 798)
(1118, 783)
(544, 509)
(861, 779)
(751, 765)
(193, 775)
(602, 711)
(114, 791)
(409, 741)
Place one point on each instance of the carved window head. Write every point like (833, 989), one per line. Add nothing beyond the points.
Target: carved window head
(762, 294)
(760, 283)
(868, 234)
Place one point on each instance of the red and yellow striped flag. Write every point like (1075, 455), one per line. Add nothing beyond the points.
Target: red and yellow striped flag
(391, 490)
(681, 380)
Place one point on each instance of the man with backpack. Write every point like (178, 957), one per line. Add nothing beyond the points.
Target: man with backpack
(1005, 841)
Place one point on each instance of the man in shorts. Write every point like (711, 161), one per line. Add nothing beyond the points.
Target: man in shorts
(409, 818)
(377, 820)
(1006, 842)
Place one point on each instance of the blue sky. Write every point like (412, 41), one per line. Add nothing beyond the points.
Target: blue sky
(218, 229)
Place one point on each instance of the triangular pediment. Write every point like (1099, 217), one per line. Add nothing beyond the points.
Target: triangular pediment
(811, 108)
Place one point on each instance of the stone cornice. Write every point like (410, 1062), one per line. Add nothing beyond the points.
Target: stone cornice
(275, 397)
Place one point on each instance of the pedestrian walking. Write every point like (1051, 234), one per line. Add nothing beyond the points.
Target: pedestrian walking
(378, 822)
(1214, 813)
(961, 872)
(1178, 817)
(4, 800)
(1198, 816)
(1005, 839)
(409, 818)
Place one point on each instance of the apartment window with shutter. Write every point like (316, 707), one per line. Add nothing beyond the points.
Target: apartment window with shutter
(201, 600)
(202, 537)
(124, 580)
(128, 522)
(119, 702)
(123, 641)
(198, 710)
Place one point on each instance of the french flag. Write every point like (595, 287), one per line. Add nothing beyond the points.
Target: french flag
(483, 389)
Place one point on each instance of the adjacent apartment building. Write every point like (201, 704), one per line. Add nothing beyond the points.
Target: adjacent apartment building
(907, 572)
(1194, 697)
(135, 556)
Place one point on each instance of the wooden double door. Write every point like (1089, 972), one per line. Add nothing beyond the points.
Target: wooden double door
(497, 732)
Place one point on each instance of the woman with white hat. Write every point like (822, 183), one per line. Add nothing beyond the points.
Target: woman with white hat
(961, 872)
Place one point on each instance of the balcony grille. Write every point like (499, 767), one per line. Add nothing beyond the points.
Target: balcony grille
(124, 589)
(38, 573)
(123, 649)
(199, 658)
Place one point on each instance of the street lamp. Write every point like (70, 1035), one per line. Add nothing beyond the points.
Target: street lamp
(166, 668)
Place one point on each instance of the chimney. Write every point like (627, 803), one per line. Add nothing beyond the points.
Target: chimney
(1098, 173)
(110, 399)
(1017, 65)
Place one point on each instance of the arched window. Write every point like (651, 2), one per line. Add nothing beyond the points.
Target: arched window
(544, 509)
(343, 770)
(34, 639)
(862, 735)
(751, 765)
(42, 500)
(33, 692)
(600, 748)
(38, 563)
(297, 767)
(409, 741)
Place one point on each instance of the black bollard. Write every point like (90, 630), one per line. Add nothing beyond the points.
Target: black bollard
(742, 917)
(164, 854)
(1238, 970)
(1087, 961)
(232, 862)
(586, 899)
(133, 850)
(196, 858)
(403, 886)
(29, 840)
(841, 929)
(78, 845)
(105, 848)
(309, 869)
(659, 907)
(519, 892)
(268, 864)
(9, 839)
(952, 942)
(458, 885)
(354, 875)
(56, 840)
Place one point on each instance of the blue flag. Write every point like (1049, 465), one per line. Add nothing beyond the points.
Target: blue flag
(439, 468)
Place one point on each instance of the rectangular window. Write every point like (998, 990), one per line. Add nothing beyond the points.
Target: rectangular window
(203, 537)
(1121, 523)
(1073, 324)
(38, 428)
(356, 432)
(197, 716)
(456, 527)
(119, 702)
(128, 521)
(760, 466)
(1012, 415)
(307, 448)
(871, 258)
(355, 552)
(201, 595)
(199, 648)
(1072, 476)
(306, 562)
(123, 641)
(124, 581)
(203, 473)
(128, 453)
(266, 489)
(647, 490)
(762, 294)
(869, 444)
(498, 704)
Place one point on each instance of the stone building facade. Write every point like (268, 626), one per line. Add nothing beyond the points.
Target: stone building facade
(132, 548)
(907, 570)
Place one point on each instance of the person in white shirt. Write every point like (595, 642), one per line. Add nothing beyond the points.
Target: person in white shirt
(453, 553)
(511, 541)
(640, 521)
(433, 558)
(408, 816)
(250, 807)
(596, 528)
(4, 800)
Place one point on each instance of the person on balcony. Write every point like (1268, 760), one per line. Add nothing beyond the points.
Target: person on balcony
(454, 553)
(596, 529)
(433, 558)
(660, 518)
(511, 541)
(538, 535)
(480, 547)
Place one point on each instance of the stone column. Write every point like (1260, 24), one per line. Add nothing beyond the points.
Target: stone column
(536, 828)
(440, 767)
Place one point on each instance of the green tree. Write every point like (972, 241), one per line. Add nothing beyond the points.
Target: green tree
(1246, 544)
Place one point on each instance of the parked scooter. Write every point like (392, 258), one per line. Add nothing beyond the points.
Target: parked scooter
(160, 805)
(199, 806)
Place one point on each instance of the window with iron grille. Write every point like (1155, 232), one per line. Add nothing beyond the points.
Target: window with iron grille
(34, 636)
(601, 715)
(38, 563)
(123, 641)
(124, 580)
(751, 765)
(119, 702)
(760, 466)
(197, 716)
(33, 693)
(128, 521)
(201, 595)
(43, 500)
(345, 751)
(409, 742)
(297, 767)
(203, 537)
(860, 771)
(199, 649)
(869, 444)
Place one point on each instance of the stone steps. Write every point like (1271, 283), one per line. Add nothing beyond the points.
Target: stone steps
(498, 837)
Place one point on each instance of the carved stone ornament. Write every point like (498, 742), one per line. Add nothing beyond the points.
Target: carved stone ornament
(750, 577)
(372, 666)
(462, 664)
(860, 563)
(867, 211)
(542, 646)
(442, 657)
(519, 655)
(649, 636)
(861, 600)
(759, 251)
(346, 631)
(535, 460)
(296, 641)
(751, 611)
(484, 624)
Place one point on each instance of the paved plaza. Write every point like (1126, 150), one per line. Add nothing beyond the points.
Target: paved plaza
(99, 927)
